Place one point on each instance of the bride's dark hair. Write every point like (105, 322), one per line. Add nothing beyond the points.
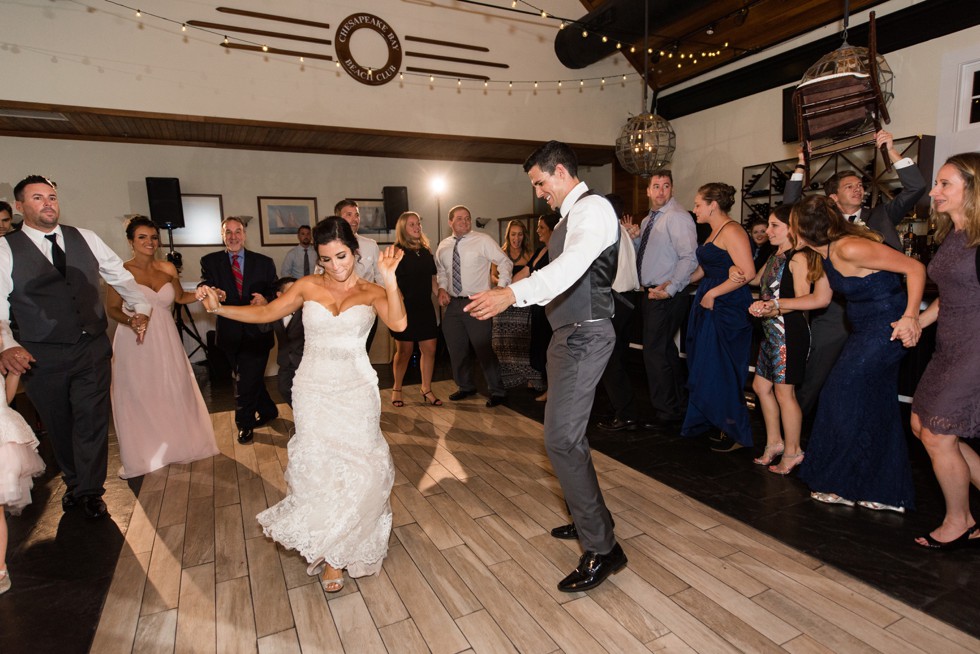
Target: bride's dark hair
(333, 229)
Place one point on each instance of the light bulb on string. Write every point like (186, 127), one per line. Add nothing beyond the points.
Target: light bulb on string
(632, 49)
(183, 27)
(605, 39)
(535, 85)
(225, 41)
(265, 48)
(559, 83)
(139, 14)
(619, 46)
(432, 78)
(544, 14)
(585, 34)
(459, 83)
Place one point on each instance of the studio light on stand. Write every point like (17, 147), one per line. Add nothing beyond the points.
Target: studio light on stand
(647, 141)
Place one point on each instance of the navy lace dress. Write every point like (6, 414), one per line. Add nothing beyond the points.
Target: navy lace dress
(857, 448)
(718, 344)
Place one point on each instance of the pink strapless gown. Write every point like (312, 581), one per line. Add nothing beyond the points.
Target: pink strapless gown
(157, 408)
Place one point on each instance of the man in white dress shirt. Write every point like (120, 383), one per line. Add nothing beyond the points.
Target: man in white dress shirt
(300, 260)
(367, 252)
(50, 303)
(463, 268)
(575, 288)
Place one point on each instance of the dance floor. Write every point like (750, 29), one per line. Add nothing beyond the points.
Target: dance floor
(470, 567)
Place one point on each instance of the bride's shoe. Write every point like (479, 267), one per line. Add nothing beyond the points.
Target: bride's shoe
(769, 454)
(316, 567)
(333, 585)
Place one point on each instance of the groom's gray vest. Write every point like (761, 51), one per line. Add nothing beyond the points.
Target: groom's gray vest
(590, 297)
(46, 307)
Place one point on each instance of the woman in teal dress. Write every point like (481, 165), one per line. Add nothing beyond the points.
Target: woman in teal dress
(719, 331)
(857, 451)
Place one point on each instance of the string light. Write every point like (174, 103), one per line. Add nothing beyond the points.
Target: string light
(562, 25)
(485, 84)
(225, 42)
(401, 77)
(432, 78)
(559, 83)
(139, 14)
(605, 39)
(619, 46)
(265, 48)
(544, 14)
(459, 83)
(535, 85)
(585, 34)
(183, 27)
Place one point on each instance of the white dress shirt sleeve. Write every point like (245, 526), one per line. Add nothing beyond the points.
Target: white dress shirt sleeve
(112, 271)
(592, 227)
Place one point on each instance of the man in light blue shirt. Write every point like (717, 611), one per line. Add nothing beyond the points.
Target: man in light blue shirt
(665, 244)
(301, 259)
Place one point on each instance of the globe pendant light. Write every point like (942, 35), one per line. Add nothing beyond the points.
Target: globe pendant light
(647, 141)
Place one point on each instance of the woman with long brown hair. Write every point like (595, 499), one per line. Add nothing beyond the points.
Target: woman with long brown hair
(857, 449)
(946, 407)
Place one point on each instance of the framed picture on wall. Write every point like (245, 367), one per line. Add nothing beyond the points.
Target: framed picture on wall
(372, 213)
(279, 218)
(202, 220)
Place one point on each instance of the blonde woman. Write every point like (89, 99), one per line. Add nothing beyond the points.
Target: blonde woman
(417, 281)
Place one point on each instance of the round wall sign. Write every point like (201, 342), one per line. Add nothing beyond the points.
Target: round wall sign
(364, 74)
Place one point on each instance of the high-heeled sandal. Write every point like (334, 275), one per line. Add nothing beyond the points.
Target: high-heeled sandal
(796, 460)
(333, 585)
(316, 567)
(769, 454)
(435, 401)
(397, 403)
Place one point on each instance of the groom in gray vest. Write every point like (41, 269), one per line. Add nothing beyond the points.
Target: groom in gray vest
(576, 289)
(53, 324)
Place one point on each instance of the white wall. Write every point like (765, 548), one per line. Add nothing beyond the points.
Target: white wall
(95, 54)
(715, 144)
(99, 183)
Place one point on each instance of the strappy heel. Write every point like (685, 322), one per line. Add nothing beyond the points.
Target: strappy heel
(399, 403)
(435, 401)
(769, 454)
(333, 585)
(793, 459)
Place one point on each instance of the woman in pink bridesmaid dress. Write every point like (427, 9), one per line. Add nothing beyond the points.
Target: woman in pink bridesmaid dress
(159, 414)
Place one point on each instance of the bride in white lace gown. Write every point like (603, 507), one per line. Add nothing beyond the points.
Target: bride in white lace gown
(339, 475)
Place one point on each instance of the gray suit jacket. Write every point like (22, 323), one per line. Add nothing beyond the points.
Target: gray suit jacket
(886, 215)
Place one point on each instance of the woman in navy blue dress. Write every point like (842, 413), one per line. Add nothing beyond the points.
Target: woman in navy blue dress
(719, 331)
(857, 451)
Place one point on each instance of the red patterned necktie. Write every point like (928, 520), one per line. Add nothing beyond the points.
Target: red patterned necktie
(236, 271)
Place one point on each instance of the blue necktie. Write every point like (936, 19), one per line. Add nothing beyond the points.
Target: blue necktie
(643, 245)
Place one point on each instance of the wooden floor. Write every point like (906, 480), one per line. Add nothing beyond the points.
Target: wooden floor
(471, 566)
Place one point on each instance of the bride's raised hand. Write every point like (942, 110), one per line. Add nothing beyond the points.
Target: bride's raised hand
(388, 260)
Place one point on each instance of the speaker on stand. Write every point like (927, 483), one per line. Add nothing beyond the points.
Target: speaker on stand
(167, 211)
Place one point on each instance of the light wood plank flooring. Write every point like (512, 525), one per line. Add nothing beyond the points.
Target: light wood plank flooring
(471, 566)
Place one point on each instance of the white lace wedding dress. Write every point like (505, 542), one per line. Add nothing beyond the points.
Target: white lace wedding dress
(340, 472)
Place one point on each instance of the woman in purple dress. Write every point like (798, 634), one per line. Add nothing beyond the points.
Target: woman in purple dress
(946, 407)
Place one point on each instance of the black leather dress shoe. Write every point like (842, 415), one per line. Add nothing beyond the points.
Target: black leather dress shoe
(93, 506)
(618, 425)
(461, 395)
(592, 570)
(68, 501)
(496, 400)
(264, 421)
(565, 532)
(569, 532)
(663, 423)
(245, 435)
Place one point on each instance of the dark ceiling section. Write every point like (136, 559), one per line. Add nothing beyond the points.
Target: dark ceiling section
(35, 120)
(622, 22)
(916, 24)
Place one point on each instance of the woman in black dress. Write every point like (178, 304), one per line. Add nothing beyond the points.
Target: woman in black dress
(417, 281)
(511, 337)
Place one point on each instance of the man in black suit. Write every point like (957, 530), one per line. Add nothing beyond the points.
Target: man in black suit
(290, 337)
(828, 327)
(243, 277)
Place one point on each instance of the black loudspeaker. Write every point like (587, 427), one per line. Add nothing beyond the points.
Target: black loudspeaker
(396, 203)
(166, 209)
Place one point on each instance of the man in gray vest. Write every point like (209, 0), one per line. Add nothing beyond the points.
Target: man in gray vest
(576, 291)
(53, 324)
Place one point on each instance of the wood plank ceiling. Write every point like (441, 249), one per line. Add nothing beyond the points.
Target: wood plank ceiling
(747, 26)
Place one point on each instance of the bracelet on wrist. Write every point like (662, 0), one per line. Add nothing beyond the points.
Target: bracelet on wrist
(908, 315)
(800, 166)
